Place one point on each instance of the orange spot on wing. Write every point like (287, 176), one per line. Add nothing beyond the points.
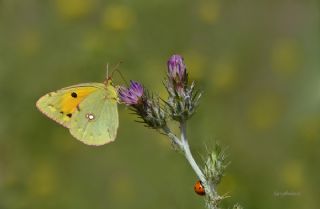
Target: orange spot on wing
(69, 103)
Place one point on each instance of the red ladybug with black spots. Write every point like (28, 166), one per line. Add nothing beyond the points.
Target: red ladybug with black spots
(199, 188)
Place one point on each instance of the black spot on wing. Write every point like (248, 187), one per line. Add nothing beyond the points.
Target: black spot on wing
(74, 94)
(69, 115)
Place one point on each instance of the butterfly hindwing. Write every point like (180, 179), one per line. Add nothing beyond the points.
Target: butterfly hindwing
(95, 122)
(60, 105)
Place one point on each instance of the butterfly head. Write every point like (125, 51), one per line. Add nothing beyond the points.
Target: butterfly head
(108, 81)
(115, 68)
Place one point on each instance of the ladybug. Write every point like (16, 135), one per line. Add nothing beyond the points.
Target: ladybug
(199, 188)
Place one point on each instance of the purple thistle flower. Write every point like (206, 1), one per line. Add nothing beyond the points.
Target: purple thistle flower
(176, 68)
(131, 95)
(183, 98)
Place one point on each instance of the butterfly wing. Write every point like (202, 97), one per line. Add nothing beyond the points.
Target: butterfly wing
(60, 105)
(96, 120)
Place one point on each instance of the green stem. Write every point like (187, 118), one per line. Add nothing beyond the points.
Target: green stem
(211, 193)
(174, 139)
(188, 154)
(183, 145)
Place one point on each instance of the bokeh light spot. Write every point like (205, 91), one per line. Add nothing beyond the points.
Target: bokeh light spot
(292, 174)
(224, 76)
(42, 181)
(285, 57)
(73, 9)
(310, 129)
(209, 11)
(118, 17)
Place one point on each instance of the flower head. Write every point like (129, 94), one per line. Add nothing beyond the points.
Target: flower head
(146, 106)
(176, 68)
(183, 98)
(131, 95)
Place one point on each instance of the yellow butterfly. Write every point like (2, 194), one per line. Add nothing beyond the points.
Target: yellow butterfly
(88, 110)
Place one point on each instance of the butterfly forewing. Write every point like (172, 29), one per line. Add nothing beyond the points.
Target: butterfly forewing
(60, 105)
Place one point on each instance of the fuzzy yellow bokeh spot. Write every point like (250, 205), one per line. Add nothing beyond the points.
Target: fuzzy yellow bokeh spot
(292, 175)
(118, 17)
(195, 63)
(42, 181)
(209, 11)
(285, 57)
(310, 129)
(224, 76)
(72, 9)
(265, 110)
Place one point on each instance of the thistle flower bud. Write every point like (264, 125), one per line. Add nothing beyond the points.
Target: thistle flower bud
(151, 112)
(177, 69)
(147, 107)
(183, 98)
(215, 165)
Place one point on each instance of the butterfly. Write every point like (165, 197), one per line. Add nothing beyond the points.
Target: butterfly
(88, 110)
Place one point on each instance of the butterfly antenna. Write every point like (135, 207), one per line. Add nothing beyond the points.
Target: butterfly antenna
(116, 69)
(107, 74)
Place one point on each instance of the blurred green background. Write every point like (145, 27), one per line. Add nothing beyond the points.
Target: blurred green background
(256, 61)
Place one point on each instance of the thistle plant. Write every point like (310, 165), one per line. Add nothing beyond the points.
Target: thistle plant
(182, 102)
